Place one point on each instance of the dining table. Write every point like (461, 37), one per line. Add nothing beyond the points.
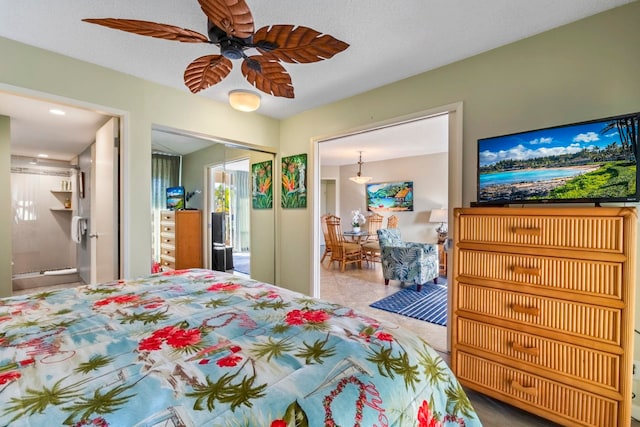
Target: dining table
(356, 236)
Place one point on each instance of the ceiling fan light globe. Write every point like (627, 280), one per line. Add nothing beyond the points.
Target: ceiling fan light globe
(244, 100)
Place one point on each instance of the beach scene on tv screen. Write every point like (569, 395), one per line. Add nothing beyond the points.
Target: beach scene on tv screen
(593, 160)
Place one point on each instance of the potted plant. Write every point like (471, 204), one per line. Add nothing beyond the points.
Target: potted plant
(357, 220)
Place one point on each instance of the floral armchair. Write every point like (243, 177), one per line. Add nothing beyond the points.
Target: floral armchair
(407, 261)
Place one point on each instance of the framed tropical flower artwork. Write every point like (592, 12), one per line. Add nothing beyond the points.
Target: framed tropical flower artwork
(294, 181)
(262, 185)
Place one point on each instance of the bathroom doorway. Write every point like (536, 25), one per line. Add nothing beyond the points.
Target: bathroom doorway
(51, 189)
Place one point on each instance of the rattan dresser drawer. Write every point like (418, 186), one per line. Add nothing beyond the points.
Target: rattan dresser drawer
(584, 277)
(591, 322)
(564, 404)
(571, 364)
(571, 232)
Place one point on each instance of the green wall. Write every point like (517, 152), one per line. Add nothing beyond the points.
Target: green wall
(262, 221)
(585, 70)
(31, 71)
(5, 210)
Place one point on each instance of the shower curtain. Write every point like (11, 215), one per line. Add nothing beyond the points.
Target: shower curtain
(40, 232)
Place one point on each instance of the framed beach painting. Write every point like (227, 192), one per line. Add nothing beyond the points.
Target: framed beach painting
(262, 185)
(390, 196)
(294, 181)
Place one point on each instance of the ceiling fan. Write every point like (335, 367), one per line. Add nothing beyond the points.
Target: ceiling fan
(230, 27)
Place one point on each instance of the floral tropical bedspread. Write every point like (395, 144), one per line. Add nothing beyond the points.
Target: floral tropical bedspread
(203, 348)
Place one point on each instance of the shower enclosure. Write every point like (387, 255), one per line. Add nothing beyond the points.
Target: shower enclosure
(43, 199)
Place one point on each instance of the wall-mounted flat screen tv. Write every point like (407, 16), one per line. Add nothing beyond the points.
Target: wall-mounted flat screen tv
(587, 162)
(175, 198)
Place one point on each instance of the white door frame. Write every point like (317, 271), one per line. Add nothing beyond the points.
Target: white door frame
(454, 111)
(123, 118)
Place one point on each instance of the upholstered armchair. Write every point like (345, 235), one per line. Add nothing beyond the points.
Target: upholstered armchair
(407, 261)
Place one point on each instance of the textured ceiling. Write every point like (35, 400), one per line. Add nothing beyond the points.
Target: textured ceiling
(389, 40)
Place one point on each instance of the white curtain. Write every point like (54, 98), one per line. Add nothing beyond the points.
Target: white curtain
(241, 242)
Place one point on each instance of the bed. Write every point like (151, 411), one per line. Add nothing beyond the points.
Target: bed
(206, 348)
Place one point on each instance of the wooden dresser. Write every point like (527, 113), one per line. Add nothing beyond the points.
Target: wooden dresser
(542, 309)
(180, 239)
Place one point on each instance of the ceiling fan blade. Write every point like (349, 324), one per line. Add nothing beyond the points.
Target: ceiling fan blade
(299, 45)
(206, 71)
(232, 16)
(151, 29)
(271, 78)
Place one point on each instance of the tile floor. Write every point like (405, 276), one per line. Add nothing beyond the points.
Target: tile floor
(358, 288)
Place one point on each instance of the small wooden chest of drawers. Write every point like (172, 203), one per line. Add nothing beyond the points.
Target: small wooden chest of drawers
(180, 239)
(543, 309)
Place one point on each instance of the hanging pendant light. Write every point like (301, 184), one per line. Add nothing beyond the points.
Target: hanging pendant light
(358, 178)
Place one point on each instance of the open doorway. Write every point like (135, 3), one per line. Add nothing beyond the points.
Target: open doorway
(54, 183)
(453, 160)
(229, 190)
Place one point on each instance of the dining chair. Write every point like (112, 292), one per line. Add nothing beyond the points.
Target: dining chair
(325, 234)
(392, 222)
(374, 223)
(371, 247)
(342, 251)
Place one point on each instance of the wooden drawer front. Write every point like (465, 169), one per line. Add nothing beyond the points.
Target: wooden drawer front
(167, 263)
(590, 233)
(583, 276)
(596, 367)
(168, 240)
(167, 228)
(577, 406)
(589, 321)
(167, 251)
(167, 216)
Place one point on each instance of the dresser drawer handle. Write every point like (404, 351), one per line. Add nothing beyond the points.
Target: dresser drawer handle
(534, 311)
(532, 351)
(529, 390)
(522, 231)
(531, 271)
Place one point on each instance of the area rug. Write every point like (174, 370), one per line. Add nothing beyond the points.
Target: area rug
(430, 304)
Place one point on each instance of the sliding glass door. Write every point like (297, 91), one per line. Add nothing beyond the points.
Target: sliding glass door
(229, 208)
